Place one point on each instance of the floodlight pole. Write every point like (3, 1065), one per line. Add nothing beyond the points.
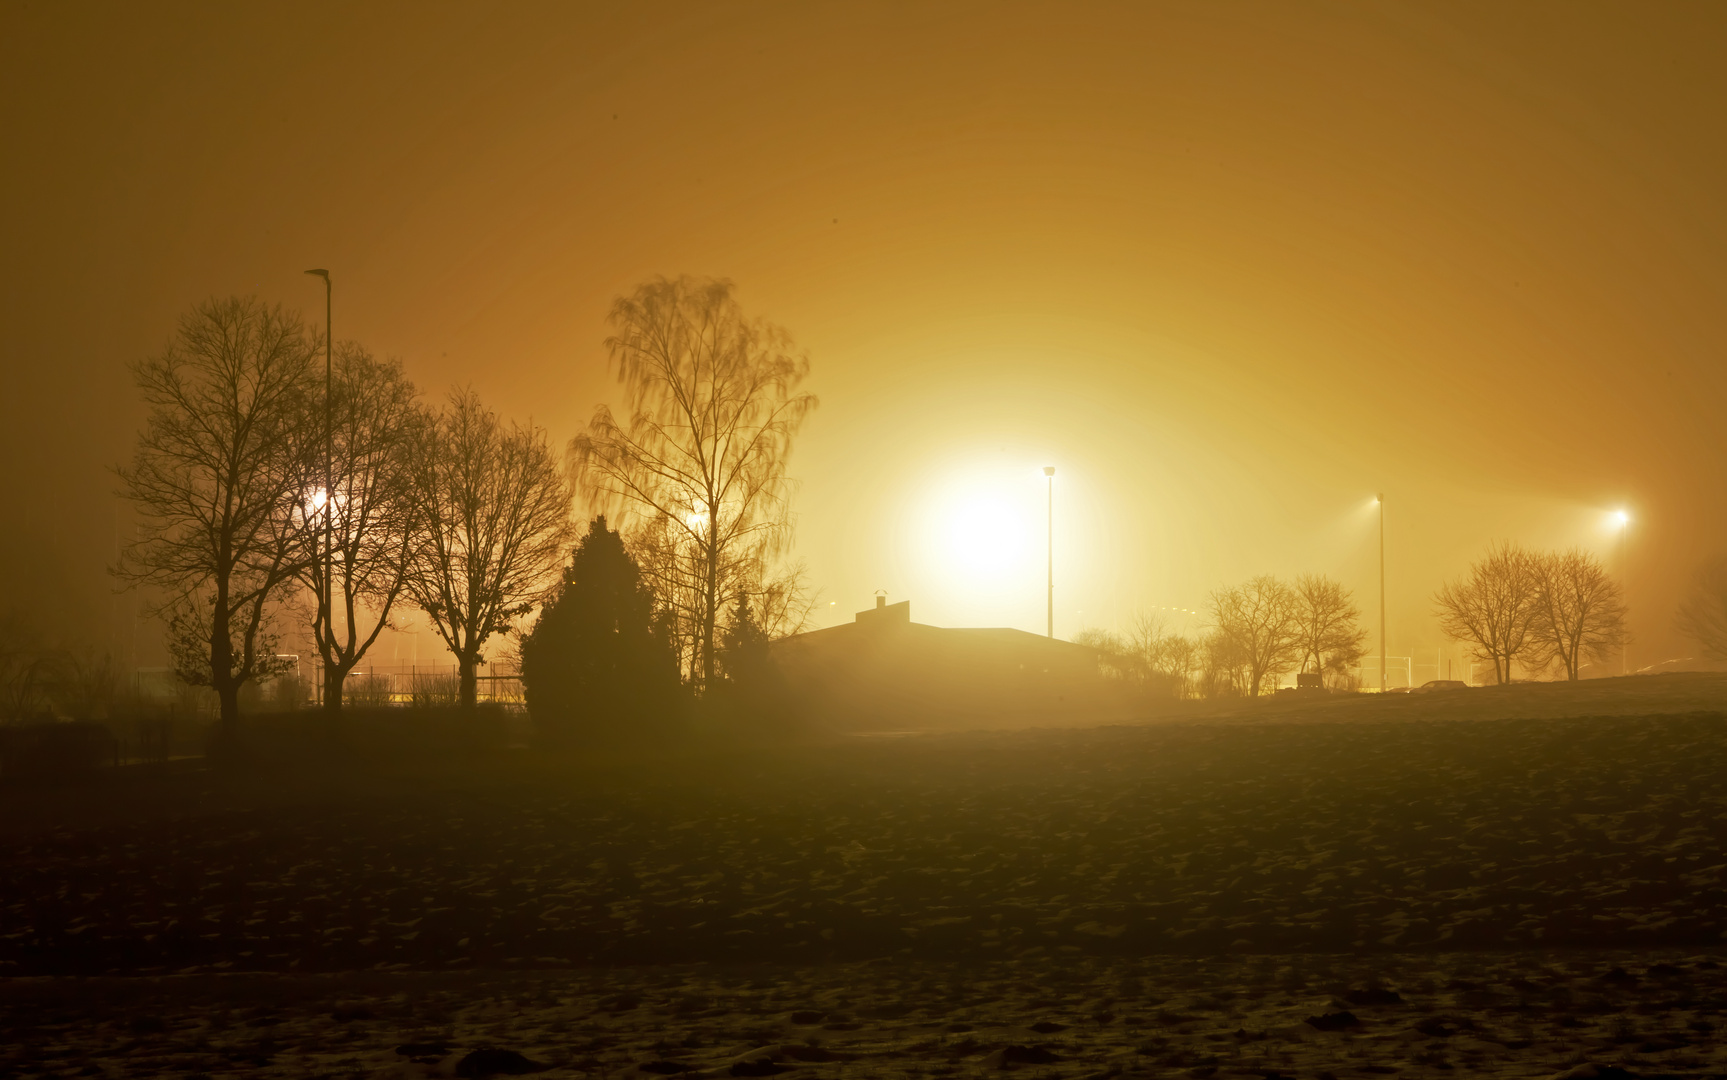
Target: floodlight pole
(1624, 642)
(1049, 547)
(1380, 499)
(326, 605)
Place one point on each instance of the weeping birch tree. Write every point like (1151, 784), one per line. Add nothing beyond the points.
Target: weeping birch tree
(697, 467)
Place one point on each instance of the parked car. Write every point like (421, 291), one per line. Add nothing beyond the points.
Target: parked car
(1433, 686)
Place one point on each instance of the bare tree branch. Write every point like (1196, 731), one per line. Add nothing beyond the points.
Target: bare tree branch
(1259, 622)
(1579, 611)
(697, 475)
(1494, 608)
(215, 478)
(1703, 615)
(490, 527)
(376, 421)
(1328, 631)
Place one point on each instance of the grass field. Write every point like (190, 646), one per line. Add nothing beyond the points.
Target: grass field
(1177, 896)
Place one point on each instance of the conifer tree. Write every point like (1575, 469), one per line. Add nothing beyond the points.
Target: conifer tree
(598, 664)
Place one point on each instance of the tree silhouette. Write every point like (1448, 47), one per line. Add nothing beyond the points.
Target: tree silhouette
(376, 421)
(597, 663)
(215, 478)
(1151, 660)
(1494, 608)
(1328, 633)
(491, 518)
(700, 463)
(1578, 611)
(1259, 621)
(755, 691)
(1703, 615)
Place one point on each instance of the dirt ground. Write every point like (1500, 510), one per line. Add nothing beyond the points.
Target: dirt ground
(1479, 887)
(1502, 1014)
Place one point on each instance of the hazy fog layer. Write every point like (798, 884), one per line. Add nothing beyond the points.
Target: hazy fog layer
(1232, 269)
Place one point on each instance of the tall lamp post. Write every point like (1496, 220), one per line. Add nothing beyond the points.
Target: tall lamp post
(1380, 499)
(1049, 546)
(325, 607)
(1624, 646)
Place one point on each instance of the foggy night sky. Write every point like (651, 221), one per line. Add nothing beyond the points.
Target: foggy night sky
(1230, 267)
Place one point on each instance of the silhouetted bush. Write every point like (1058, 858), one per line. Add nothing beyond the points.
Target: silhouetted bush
(363, 734)
(597, 666)
(54, 751)
(754, 699)
(431, 691)
(364, 691)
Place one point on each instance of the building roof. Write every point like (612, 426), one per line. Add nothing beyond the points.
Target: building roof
(883, 666)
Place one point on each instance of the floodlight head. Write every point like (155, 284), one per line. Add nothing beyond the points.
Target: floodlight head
(1049, 470)
(1622, 517)
(325, 274)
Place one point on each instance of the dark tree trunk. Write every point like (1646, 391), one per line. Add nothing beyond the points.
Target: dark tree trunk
(228, 693)
(222, 662)
(470, 682)
(334, 678)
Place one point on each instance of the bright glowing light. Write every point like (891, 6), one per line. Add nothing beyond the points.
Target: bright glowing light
(1620, 517)
(697, 518)
(981, 531)
(972, 543)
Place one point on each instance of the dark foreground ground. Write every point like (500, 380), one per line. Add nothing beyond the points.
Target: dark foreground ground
(1502, 1014)
(1178, 898)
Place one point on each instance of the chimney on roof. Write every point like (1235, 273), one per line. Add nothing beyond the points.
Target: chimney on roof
(886, 614)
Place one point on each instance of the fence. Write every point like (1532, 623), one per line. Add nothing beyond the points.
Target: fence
(302, 685)
(417, 684)
(1399, 672)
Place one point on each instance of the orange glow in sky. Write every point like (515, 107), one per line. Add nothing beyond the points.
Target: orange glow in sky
(1231, 268)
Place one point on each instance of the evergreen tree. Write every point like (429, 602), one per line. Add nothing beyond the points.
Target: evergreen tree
(597, 665)
(754, 692)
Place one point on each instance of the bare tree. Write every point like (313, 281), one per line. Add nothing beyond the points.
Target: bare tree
(215, 479)
(491, 524)
(375, 420)
(1169, 659)
(699, 467)
(1223, 668)
(22, 669)
(1116, 656)
(1495, 608)
(1328, 631)
(1260, 620)
(84, 683)
(783, 604)
(1702, 616)
(1579, 611)
(1152, 661)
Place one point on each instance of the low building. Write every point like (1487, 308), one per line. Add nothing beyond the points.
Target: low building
(883, 672)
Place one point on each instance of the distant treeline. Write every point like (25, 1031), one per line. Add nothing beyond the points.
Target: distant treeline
(1544, 612)
(1260, 630)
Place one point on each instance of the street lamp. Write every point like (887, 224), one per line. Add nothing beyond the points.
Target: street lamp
(1049, 475)
(325, 606)
(1380, 499)
(1624, 519)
